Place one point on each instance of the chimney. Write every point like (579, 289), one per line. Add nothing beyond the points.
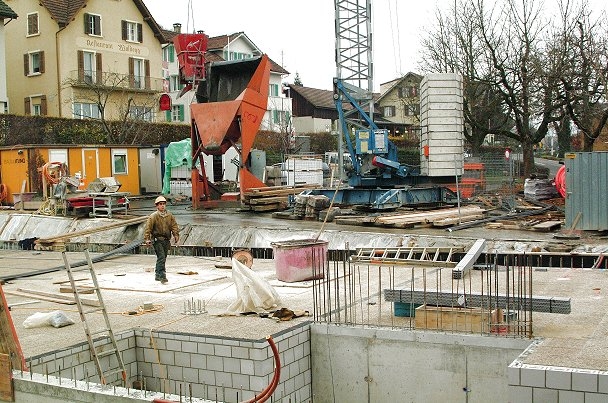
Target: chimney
(177, 27)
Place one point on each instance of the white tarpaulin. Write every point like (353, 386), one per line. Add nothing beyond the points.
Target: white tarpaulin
(254, 294)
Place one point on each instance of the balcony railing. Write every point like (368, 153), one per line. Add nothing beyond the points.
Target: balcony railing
(94, 79)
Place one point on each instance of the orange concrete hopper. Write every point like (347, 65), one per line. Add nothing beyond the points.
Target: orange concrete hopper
(237, 95)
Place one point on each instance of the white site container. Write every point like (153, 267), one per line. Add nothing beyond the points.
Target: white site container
(442, 125)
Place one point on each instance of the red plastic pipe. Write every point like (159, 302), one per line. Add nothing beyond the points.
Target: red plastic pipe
(269, 390)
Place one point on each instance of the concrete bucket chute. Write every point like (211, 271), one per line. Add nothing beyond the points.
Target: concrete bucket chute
(237, 95)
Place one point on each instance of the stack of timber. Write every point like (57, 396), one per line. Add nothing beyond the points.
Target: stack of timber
(271, 198)
(436, 218)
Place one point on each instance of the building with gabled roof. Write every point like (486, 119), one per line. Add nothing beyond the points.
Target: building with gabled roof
(399, 104)
(6, 13)
(235, 46)
(68, 52)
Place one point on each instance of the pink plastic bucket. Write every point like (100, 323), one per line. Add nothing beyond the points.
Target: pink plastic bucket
(300, 259)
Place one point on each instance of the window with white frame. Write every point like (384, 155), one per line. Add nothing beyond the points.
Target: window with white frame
(32, 24)
(132, 31)
(89, 63)
(92, 24)
(177, 113)
(119, 162)
(84, 110)
(36, 109)
(34, 63)
(138, 73)
(141, 113)
(174, 84)
(273, 90)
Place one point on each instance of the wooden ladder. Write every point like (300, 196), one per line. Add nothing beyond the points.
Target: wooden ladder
(98, 351)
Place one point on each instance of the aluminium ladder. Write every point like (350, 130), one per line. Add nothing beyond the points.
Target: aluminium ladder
(98, 351)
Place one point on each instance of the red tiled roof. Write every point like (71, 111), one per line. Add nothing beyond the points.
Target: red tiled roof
(64, 11)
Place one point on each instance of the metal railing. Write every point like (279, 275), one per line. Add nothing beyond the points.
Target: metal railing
(95, 79)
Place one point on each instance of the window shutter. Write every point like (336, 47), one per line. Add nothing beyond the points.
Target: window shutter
(80, 56)
(27, 106)
(140, 33)
(42, 62)
(168, 116)
(98, 68)
(124, 30)
(171, 53)
(181, 112)
(26, 64)
(97, 19)
(131, 72)
(147, 71)
(87, 27)
(43, 109)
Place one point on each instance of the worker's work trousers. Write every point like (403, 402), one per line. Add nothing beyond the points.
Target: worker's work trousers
(161, 248)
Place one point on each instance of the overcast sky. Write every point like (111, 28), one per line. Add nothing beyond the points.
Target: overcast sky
(299, 35)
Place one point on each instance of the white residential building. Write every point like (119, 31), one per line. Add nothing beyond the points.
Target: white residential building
(235, 46)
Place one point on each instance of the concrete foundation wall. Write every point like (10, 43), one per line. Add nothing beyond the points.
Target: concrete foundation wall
(380, 365)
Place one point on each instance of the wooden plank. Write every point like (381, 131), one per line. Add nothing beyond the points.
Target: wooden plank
(268, 200)
(70, 290)
(40, 297)
(446, 222)
(84, 301)
(268, 207)
(9, 342)
(472, 320)
(6, 379)
(547, 226)
(89, 231)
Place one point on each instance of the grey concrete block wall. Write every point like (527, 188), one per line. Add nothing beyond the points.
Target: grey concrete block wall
(538, 383)
(231, 369)
(77, 360)
(565, 384)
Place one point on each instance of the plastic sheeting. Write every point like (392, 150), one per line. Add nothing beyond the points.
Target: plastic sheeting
(254, 294)
(177, 153)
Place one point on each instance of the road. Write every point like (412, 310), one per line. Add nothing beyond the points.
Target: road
(553, 165)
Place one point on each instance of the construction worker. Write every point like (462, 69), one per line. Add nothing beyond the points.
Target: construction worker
(160, 226)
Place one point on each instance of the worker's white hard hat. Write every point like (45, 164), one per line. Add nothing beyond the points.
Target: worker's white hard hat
(160, 199)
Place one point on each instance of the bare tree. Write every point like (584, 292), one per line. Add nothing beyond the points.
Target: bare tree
(584, 72)
(502, 53)
(119, 107)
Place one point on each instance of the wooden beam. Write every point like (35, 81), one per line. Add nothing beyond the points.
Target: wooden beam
(89, 231)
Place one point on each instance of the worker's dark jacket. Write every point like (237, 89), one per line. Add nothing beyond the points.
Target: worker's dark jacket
(161, 227)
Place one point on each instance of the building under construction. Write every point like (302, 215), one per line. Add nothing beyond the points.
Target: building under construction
(352, 316)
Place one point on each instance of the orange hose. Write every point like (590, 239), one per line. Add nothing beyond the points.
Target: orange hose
(53, 171)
